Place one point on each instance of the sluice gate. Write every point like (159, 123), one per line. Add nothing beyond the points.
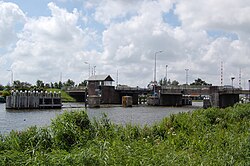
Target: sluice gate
(33, 100)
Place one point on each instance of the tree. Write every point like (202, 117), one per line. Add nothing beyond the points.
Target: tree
(1, 87)
(84, 83)
(69, 83)
(47, 85)
(56, 85)
(21, 85)
(175, 83)
(161, 82)
(199, 82)
(51, 85)
(60, 85)
(39, 84)
(17, 84)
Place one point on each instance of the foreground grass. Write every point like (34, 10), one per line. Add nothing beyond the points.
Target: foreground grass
(203, 137)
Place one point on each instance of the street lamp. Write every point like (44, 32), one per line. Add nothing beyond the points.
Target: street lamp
(232, 78)
(249, 90)
(89, 67)
(94, 70)
(186, 76)
(166, 74)
(155, 69)
(11, 77)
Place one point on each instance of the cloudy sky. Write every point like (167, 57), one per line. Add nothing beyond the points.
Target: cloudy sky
(43, 38)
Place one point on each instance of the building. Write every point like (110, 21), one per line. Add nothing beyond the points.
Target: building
(101, 85)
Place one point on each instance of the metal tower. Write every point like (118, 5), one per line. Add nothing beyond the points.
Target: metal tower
(221, 74)
(240, 79)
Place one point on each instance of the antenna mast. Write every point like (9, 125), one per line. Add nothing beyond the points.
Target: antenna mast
(117, 78)
(240, 79)
(221, 74)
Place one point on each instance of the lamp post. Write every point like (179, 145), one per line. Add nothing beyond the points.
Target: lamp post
(232, 78)
(166, 74)
(155, 69)
(89, 67)
(186, 76)
(94, 70)
(11, 77)
(249, 90)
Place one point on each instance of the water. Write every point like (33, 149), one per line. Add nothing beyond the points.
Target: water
(138, 115)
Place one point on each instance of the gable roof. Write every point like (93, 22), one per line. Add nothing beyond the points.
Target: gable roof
(100, 78)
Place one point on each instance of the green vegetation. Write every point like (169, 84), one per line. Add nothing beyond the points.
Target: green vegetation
(4, 93)
(64, 95)
(203, 137)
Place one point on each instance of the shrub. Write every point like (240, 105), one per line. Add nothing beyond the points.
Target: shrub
(71, 128)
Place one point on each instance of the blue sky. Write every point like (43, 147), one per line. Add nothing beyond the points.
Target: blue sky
(43, 38)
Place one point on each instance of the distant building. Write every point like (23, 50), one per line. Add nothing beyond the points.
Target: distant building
(101, 85)
(96, 82)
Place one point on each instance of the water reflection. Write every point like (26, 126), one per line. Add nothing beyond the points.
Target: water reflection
(139, 115)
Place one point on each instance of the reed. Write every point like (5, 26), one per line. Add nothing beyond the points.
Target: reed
(203, 137)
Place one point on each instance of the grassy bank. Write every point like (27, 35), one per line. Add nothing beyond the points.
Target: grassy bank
(65, 96)
(203, 137)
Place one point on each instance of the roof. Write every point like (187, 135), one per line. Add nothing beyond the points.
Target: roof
(100, 78)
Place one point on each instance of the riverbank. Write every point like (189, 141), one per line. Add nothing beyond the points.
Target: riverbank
(202, 137)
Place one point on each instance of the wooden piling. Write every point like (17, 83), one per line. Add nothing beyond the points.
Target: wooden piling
(33, 100)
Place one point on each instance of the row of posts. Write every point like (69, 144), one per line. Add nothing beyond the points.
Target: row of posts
(35, 93)
(33, 100)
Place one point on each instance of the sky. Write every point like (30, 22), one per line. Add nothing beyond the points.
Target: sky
(53, 40)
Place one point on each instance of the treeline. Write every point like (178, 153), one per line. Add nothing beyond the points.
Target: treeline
(40, 85)
(197, 82)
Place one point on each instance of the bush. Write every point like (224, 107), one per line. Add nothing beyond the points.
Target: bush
(71, 128)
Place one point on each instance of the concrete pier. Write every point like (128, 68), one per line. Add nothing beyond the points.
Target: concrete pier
(222, 97)
(153, 100)
(33, 100)
(94, 101)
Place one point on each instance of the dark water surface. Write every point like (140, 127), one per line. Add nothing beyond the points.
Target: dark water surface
(140, 115)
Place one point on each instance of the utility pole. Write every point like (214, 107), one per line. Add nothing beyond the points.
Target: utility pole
(166, 74)
(232, 78)
(61, 76)
(11, 77)
(240, 79)
(186, 76)
(249, 90)
(94, 70)
(221, 74)
(155, 82)
(89, 67)
(117, 78)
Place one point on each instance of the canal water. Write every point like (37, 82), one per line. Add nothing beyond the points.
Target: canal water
(138, 115)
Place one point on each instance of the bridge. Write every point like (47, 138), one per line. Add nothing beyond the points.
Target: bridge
(78, 93)
(170, 95)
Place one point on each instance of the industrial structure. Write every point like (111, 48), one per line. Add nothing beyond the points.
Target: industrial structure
(101, 91)
(33, 100)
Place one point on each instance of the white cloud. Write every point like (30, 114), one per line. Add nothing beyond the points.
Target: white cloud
(50, 45)
(134, 41)
(107, 10)
(133, 32)
(10, 16)
(226, 15)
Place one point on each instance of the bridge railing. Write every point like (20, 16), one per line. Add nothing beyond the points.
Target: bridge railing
(188, 87)
(126, 88)
(79, 88)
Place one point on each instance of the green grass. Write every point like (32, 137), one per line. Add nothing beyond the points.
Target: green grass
(203, 137)
(4, 93)
(65, 96)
